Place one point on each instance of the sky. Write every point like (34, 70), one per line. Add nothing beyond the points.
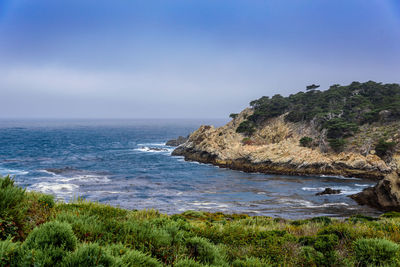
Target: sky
(185, 58)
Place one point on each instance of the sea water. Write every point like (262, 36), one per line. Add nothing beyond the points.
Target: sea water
(126, 163)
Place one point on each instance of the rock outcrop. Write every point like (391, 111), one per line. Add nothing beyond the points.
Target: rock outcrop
(384, 196)
(329, 191)
(275, 148)
(176, 142)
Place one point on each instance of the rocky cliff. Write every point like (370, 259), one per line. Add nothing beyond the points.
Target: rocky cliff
(302, 147)
(275, 148)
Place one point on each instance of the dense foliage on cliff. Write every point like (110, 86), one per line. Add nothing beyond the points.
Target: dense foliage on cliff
(340, 109)
(36, 231)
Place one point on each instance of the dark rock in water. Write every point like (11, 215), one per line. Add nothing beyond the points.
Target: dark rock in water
(329, 191)
(384, 196)
(176, 142)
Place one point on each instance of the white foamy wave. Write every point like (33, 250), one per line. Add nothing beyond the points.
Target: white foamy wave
(209, 205)
(155, 149)
(325, 205)
(5, 171)
(54, 188)
(152, 144)
(362, 185)
(87, 178)
(313, 189)
(340, 177)
(309, 204)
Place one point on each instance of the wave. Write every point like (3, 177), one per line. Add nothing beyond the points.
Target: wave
(309, 204)
(54, 188)
(154, 149)
(339, 177)
(85, 178)
(5, 171)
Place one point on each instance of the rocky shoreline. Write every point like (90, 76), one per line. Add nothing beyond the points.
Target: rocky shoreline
(269, 167)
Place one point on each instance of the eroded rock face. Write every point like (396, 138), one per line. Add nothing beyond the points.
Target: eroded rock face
(384, 196)
(275, 148)
(177, 142)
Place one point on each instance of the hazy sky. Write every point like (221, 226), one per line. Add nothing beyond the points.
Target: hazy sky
(185, 58)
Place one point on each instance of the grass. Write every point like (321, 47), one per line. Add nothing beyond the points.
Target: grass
(82, 233)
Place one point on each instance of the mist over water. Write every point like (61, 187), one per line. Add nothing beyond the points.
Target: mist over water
(125, 163)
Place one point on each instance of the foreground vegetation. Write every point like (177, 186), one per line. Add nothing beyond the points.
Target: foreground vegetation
(36, 231)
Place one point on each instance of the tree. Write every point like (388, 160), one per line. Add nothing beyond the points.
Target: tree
(312, 87)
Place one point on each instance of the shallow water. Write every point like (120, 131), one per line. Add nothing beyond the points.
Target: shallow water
(125, 163)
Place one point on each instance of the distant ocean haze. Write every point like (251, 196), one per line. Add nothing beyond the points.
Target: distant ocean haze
(126, 163)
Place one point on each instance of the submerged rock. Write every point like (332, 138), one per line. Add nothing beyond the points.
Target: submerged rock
(329, 191)
(384, 196)
(177, 142)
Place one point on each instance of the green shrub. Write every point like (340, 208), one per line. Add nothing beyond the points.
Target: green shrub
(251, 262)
(202, 250)
(136, 258)
(376, 252)
(308, 256)
(49, 243)
(337, 144)
(322, 219)
(189, 263)
(12, 207)
(233, 115)
(47, 201)
(52, 235)
(383, 147)
(89, 255)
(391, 214)
(306, 141)
(8, 228)
(361, 218)
(324, 243)
(246, 127)
(342, 231)
(9, 253)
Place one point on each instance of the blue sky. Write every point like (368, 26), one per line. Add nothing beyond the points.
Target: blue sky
(185, 58)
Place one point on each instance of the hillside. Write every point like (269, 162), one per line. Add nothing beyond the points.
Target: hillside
(346, 130)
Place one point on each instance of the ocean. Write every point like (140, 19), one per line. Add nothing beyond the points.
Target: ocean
(125, 163)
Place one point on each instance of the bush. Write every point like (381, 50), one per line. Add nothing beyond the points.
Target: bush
(376, 252)
(250, 262)
(49, 243)
(9, 253)
(136, 258)
(391, 214)
(89, 255)
(321, 219)
(233, 115)
(189, 263)
(12, 207)
(337, 144)
(383, 147)
(202, 250)
(46, 201)
(306, 141)
(246, 127)
(52, 235)
(308, 256)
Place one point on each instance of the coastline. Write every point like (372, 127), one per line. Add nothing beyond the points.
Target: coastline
(270, 167)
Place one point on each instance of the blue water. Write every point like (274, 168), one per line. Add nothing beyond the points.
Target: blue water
(125, 163)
